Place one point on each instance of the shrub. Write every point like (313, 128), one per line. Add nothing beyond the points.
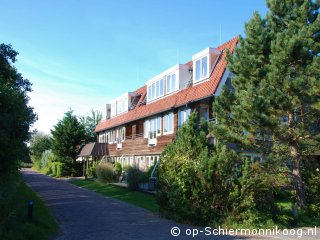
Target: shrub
(91, 172)
(134, 177)
(118, 168)
(126, 168)
(105, 172)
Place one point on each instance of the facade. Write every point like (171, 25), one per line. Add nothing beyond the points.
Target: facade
(139, 124)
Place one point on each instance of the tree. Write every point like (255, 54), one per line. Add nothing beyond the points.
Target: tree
(67, 137)
(196, 180)
(39, 143)
(15, 115)
(15, 119)
(90, 122)
(273, 106)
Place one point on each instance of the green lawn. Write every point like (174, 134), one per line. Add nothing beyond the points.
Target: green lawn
(136, 198)
(42, 226)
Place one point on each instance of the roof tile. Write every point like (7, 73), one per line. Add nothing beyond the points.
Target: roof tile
(195, 92)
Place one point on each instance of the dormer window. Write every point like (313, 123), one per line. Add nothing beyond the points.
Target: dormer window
(171, 83)
(203, 62)
(201, 69)
(155, 90)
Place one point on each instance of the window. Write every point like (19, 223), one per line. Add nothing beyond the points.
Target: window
(183, 116)
(171, 83)
(123, 133)
(107, 136)
(113, 109)
(201, 68)
(149, 93)
(155, 90)
(161, 87)
(152, 125)
(168, 123)
(204, 113)
(112, 136)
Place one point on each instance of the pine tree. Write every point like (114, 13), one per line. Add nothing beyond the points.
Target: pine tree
(67, 137)
(274, 106)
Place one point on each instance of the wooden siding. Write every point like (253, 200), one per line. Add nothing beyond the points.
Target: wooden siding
(136, 145)
(139, 146)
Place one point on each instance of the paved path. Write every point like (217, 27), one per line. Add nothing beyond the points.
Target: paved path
(83, 214)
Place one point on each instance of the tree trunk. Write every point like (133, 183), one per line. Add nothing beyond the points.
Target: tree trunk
(297, 178)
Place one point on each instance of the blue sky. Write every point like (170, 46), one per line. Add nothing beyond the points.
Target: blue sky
(81, 54)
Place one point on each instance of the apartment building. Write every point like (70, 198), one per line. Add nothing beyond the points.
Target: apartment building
(139, 124)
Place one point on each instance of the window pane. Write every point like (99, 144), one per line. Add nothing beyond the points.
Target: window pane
(204, 67)
(165, 123)
(149, 93)
(159, 125)
(171, 122)
(153, 91)
(161, 87)
(188, 111)
(197, 70)
(157, 89)
(173, 82)
(168, 84)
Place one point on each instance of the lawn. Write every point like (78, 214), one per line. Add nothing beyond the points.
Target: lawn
(42, 225)
(136, 198)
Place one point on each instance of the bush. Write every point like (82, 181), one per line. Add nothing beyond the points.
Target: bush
(118, 168)
(91, 172)
(105, 172)
(134, 177)
(58, 169)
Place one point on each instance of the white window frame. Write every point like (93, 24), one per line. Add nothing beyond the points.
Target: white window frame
(167, 117)
(202, 76)
(169, 86)
(156, 123)
(154, 90)
(185, 113)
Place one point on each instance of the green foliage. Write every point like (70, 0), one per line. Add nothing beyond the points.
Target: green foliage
(276, 87)
(90, 122)
(39, 143)
(15, 119)
(134, 177)
(46, 159)
(15, 114)
(67, 137)
(92, 170)
(196, 181)
(105, 172)
(311, 175)
(126, 167)
(58, 169)
(118, 168)
(15, 225)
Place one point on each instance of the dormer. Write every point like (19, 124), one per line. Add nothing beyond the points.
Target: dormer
(123, 103)
(106, 111)
(203, 62)
(167, 82)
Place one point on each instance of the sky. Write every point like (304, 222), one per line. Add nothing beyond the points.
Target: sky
(81, 54)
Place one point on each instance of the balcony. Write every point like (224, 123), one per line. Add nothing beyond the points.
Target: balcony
(152, 138)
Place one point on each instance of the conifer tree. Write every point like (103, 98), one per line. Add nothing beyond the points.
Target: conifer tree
(274, 106)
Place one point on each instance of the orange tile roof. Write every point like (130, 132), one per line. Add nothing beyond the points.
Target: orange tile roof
(182, 97)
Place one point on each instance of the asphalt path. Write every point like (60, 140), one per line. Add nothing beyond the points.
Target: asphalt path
(83, 214)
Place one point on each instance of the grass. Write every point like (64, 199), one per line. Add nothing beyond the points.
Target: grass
(287, 218)
(136, 198)
(42, 226)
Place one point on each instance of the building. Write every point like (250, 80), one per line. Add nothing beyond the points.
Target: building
(139, 124)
